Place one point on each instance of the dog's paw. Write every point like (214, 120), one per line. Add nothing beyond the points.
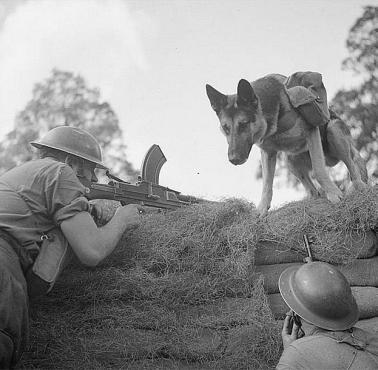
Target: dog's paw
(262, 210)
(357, 186)
(334, 197)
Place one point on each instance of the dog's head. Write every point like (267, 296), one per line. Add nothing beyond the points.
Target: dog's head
(241, 119)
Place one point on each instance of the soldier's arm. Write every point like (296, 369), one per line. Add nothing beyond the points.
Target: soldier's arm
(92, 244)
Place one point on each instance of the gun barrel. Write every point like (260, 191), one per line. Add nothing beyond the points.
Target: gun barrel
(188, 198)
(308, 248)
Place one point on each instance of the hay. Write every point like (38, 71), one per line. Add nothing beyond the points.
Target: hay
(164, 299)
(103, 328)
(181, 291)
(332, 228)
(194, 254)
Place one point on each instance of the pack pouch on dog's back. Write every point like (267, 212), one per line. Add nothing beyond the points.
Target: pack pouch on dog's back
(309, 106)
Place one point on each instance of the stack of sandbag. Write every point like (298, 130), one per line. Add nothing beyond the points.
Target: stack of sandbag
(343, 234)
(271, 258)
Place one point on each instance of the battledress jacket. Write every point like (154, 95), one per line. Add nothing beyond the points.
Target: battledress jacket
(325, 350)
(37, 197)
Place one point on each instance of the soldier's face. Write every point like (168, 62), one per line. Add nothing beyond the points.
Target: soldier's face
(84, 170)
(88, 171)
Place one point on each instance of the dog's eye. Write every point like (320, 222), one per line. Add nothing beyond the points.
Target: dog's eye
(243, 125)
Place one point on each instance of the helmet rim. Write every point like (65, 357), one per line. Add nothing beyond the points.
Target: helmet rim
(47, 141)
(288, 293)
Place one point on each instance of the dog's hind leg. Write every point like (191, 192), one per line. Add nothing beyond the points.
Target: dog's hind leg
(300, 166)
(332, 192)
(340, 146)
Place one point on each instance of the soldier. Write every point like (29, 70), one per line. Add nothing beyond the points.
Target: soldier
(44, 217)
(318, 333)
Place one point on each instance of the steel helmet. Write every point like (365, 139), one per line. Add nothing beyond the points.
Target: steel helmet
(74, 141)
(320, 294)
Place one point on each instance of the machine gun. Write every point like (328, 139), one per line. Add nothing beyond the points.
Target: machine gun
(146, 191)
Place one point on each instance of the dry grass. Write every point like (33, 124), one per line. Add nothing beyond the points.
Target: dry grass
(180, 292)
(164, 299)
(331, 227)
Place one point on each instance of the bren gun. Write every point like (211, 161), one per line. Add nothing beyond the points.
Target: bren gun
(146, 191)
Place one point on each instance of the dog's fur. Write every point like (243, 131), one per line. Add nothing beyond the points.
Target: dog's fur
(256, 115)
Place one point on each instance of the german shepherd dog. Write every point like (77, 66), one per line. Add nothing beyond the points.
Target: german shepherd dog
(256, 115)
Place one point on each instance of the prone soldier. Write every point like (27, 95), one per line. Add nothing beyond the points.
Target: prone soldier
(44, 218)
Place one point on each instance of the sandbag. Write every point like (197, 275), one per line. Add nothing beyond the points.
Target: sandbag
(360, 272)
(366, 298)
(368, 324)
(367, 244)
(271, 274)
(367, 301)
(277, 305)
(270, 253)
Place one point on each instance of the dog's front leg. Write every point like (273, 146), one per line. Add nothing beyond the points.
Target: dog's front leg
(268, 164)
(333, 193)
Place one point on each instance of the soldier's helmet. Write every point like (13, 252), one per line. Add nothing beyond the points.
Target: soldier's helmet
(320, 294)
(72, 140)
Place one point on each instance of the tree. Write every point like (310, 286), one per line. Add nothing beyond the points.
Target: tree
(359, 106)
(65, 99)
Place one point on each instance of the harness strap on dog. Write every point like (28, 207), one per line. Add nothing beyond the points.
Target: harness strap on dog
(287, 120)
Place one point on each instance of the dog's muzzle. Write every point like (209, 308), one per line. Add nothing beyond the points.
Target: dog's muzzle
(237, 160)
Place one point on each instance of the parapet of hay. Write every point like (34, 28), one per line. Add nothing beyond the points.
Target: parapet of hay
(221, 237)
(337, 231)
(177, 292)
(180, 290)
(197, 253)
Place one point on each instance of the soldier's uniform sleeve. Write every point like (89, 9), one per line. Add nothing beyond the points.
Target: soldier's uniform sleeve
(291, 359)
(64, 194)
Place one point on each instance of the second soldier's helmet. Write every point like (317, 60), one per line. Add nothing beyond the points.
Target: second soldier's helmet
(320, 294)
(72, 140)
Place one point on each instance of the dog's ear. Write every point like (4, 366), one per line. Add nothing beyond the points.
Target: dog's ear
(246, 95)
(217, 99)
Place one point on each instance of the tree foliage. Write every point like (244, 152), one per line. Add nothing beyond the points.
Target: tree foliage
(65, 99)
(358, 106)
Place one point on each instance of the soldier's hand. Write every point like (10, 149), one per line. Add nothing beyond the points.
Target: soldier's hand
(289, 331)
(102, 211)
(131, 214)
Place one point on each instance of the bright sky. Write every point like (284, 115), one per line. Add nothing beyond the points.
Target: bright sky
(151, 61)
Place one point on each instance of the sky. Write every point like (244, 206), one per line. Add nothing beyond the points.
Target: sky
(152, 59)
